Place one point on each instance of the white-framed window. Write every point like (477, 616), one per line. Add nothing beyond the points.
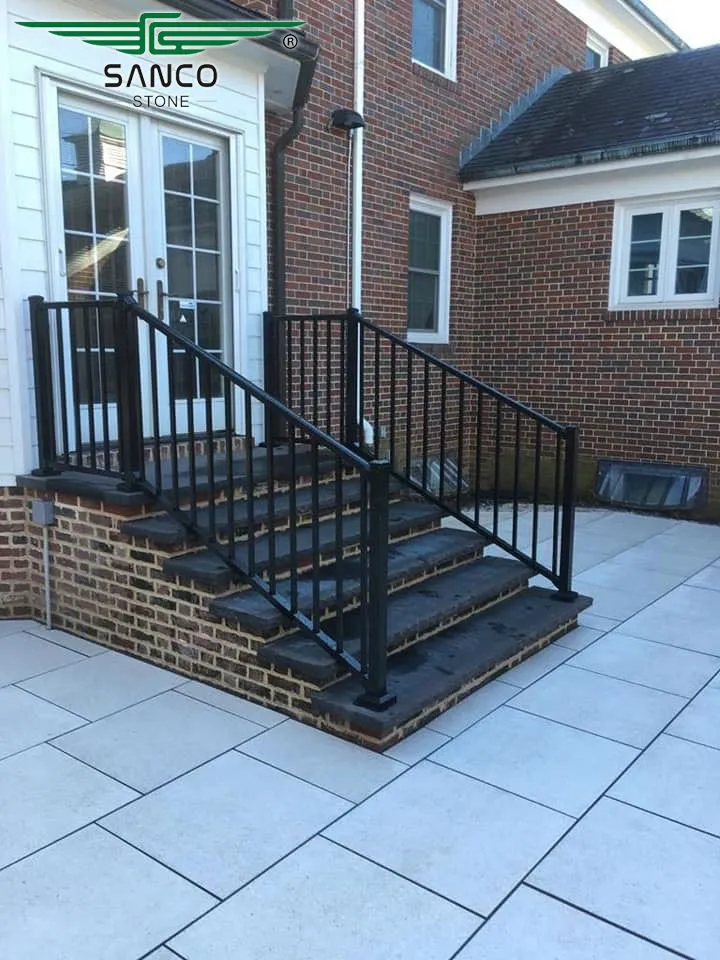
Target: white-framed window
(665, 253)
(429, 255)
(597, 52)
(434, 35)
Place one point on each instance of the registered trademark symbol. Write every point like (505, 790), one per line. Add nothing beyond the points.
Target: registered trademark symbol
(290, 41)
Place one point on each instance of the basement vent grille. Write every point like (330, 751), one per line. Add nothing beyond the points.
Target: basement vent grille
(651, 486)
(432, 479)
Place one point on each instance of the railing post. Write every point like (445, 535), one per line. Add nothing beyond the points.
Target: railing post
(273, 376)
(44, 386)
(351, 376)
(131, 451)
(375, 695)
(567, 530)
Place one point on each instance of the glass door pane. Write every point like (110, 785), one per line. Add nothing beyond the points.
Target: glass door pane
(194, 256)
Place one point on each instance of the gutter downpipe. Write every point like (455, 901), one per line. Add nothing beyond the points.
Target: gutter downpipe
(358, 144)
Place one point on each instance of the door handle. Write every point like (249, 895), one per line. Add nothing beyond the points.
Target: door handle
(141, 291)
(161, 295)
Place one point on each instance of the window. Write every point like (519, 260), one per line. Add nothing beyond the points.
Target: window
(434, 35)
(597, 52)
(429, 247)
(665, 254)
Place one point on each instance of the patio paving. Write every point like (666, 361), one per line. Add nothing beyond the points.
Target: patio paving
(566, 811)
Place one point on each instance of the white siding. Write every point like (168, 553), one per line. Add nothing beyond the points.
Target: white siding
(234, 106)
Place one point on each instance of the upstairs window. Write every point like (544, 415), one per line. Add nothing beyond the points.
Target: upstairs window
(597, 52)
(434, 35)
(430, 230)
(665, 254)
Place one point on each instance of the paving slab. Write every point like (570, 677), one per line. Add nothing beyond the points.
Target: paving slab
(538, 759)
(231, 702)
(699, 720)
(23, 655)
(68, 640)
(687, 617)
(463, 839)
(653, 877)
(329, 904)
(417, 746)
(227, 821)
(26, 720)
(472, 708)
(91, 896)
(532, 925)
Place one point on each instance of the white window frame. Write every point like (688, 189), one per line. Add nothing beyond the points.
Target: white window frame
(451, 32)
(444, 211)
(665, 299)
(596, 43)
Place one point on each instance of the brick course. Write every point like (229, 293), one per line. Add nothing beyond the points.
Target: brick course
(14, 567)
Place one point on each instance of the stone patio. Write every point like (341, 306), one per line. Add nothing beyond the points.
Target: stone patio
(568, 811)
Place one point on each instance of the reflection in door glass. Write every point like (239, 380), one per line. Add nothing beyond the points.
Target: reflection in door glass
(93, 158)
(193, 237)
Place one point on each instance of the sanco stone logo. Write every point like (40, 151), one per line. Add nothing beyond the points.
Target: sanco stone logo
(164, 34)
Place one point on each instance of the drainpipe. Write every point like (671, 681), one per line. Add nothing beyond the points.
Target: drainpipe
(358, 143)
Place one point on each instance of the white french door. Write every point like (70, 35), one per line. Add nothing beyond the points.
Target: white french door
(145, 206)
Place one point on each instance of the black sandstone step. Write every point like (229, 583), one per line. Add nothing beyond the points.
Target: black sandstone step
(412, 612)
(407, 560)
(433, 670)
(166, 531)
(208, 568)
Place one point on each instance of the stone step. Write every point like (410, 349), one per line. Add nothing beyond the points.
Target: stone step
(208, 568)
(166, 531)
(408, 560)
(413, 613)
(432, 675)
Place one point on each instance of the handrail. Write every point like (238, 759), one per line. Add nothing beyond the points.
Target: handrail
(495, 464)
(112, 380)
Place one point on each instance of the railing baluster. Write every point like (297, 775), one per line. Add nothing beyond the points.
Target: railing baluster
(376, 408)
(361, 382)
(155, 400)
(302, 367)
(315, 480)
(291, 362)
(292, 502)
(536, 488)
(172, 397)
(250, 487)
(478, 456)
(206, 386)
(315, 370)
(516, 480)
(568, 518)
(76, 396)
(229, 464)
(328, 378)
(102, 347)
(42, 368)
(443, 435)
(271, 520)
(339, 565)
(393, 401)
(556, 502)
(90, 388)
(461, 447)
(191, 373)
(498, 453)
(408, 417)
(64, 422)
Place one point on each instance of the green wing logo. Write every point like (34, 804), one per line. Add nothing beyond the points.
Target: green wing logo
(163, 34)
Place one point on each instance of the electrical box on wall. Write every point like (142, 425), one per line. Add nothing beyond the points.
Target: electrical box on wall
(43, 512)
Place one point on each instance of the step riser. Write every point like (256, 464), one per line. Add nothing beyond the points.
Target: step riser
(347, 732)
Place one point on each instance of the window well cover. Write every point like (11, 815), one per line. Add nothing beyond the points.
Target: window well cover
(651, 486)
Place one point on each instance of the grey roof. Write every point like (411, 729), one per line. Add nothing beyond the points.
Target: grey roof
(671, 102)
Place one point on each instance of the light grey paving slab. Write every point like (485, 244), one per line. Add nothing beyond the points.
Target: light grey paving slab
(657, 665)
(536, 666)
(699, 720)
(26, 720)
(597, 623)
(101, 685)
(651, 876)
(45, 795)
(13, 626)
(417, 746)
(162, 954)
(614, 602)
(326, 903)
(614, 573)
(532, 925)
(226, 822)
(544, 761)
(648, 556)
(333, 764)
(579, 638)
(460, 838)
(68, 640)
(611, 708)
(472, 708)
(688, 617)
(23, 655)
(709, 578)
(156, 740)
(676, 779)
(89, 896)
(241, 707)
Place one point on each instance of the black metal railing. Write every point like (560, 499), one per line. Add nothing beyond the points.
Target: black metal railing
(498, 466)
(120, 393)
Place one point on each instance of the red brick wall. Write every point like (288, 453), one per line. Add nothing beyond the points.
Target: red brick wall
(417, 123)
(642, 385)
(14, 566)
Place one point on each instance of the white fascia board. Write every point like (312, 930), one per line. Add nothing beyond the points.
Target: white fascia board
(621, 26)
(678, 172)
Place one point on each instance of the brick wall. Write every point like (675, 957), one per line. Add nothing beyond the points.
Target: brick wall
(14, 567)
(417, 123)
(642, 385)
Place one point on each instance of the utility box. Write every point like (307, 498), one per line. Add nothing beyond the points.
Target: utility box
(43, 512)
